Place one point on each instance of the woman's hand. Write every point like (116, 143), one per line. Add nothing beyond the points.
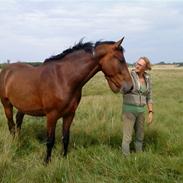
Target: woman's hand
(150, 118)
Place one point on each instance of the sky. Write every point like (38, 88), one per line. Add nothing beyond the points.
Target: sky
(33, 30)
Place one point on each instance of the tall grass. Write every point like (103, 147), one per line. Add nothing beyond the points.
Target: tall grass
(95, 145)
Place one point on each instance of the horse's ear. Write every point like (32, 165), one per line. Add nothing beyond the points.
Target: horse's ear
(118, 43)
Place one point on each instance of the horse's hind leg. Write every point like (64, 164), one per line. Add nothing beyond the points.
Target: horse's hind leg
(8, 109)
(19, 120)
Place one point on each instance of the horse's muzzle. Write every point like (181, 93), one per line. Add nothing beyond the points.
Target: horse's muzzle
(126, 88)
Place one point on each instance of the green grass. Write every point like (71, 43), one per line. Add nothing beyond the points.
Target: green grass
(95, 144)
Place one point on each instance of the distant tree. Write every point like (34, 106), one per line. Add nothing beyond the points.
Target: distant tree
(180, 65)
(161, 63)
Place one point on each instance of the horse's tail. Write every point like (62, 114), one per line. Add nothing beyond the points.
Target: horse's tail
(3, 76)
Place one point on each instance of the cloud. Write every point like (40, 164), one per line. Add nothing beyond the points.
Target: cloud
(42, 27)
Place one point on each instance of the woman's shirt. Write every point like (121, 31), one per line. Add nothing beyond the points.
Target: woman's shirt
(136, 108)
(137, 96)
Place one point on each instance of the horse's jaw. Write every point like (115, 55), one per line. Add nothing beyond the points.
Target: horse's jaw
(112, 85)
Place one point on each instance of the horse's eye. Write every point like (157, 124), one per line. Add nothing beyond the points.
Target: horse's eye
(120, 59)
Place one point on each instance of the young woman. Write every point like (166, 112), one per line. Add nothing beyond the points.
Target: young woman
(134, 106)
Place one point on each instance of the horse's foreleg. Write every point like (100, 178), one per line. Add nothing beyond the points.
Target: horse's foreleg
(67, 120)
(51, 124)
(19, 119)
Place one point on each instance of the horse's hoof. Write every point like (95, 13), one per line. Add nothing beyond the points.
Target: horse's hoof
(47, 160)
(65, 154)
(12, 131)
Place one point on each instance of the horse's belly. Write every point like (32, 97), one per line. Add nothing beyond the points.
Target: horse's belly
(31, 112)
(35, 113)
(28, 107)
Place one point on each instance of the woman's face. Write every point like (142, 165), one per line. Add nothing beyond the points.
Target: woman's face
(140, 66)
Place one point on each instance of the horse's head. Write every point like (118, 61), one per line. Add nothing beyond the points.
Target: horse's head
(113, 64)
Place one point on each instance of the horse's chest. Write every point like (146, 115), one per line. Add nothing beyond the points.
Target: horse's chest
(71, 104)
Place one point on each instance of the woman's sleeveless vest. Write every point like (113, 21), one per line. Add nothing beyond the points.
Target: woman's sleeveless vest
(136, 97)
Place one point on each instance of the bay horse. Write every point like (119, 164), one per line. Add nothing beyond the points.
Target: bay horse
(54, 88)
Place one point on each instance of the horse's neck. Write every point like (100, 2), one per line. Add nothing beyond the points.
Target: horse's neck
(82, 70)
(93, 69)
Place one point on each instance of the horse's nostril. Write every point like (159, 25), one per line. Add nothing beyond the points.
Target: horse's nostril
(130, 89)
(126, 88)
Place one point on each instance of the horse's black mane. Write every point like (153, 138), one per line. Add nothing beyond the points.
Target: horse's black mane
(103, 42)
(87, 47)
(108, 42)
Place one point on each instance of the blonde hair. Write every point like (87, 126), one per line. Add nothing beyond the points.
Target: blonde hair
(147, 61)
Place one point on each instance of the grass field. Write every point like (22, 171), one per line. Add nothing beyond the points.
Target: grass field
(95, 145)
